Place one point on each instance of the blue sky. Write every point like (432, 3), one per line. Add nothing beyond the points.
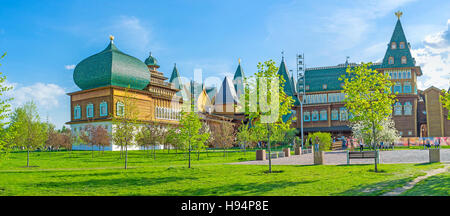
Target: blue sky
(44, 40)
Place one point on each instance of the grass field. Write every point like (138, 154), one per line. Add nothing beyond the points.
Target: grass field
(57, 173)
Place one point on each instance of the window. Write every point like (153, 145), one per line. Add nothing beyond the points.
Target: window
(77, 112)
(315, 115)
(335, 114)
(400, 133)
(306, 116)
(397, 88)
(394, 75)
(344, 115)
(391, 60)
(103, 108)
(403, 59)
(410, 133)
(90, 110)
(407, 87)
(393, 45)
(120, 109)
(398, 108)
(408, 75)
(402, 45)
(324, 86)
(307, 87)
(323, 115)
(408, 108)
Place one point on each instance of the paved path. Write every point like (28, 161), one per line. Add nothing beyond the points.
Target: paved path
(411, 184)
(340, 157)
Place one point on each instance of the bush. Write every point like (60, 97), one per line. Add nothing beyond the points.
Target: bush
(324, 140)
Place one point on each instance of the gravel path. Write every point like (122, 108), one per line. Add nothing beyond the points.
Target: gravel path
(340, 157)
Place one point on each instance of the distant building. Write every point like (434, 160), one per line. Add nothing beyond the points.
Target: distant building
(417, 113)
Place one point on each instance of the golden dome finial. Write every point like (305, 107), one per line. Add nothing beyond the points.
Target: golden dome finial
(239, 60)
(111, 38)
(398, 14)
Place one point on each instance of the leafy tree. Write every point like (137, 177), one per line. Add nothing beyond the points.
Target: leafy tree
(244, 136)
(190, 126)
(30, 133)
(387, 132)
(5, 108)
(125, 123)
(173, 138)
(368, 97)
(445, 100)
(225, 135)
(100, 137)
(323, 138)
(67, 140)
(268, 103)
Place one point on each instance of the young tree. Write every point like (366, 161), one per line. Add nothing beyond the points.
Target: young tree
(173, 138)
(268, 103)
(125, 122)
(244, 136)
(224, 134)
(387, 132)
(5, 107)
(30, 133)
(445, 100)
(53, 138)
(368, 97)
(190, 126)
(67, 140)
(100, 137)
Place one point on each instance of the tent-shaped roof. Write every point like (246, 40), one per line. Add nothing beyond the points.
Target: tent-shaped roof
(227, 93)
(238, 80)
(288, 85)
(397, 53)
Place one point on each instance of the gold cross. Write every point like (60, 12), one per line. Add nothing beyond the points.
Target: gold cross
(398, 14)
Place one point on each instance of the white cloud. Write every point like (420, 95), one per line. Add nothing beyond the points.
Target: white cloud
(46, 96)
(434, 59)
(133, 34)
(70, 67)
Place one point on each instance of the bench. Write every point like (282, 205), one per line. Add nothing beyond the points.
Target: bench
(363, 155)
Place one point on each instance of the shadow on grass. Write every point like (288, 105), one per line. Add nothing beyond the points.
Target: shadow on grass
(375, 189)
(438, 185)
(115, 182)
(250, 189)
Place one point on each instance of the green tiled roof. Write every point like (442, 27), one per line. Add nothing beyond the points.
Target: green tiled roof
(288, 86)
(111, 67)
(175, 78)
(398, 36)
(316, 77)
(151, 61)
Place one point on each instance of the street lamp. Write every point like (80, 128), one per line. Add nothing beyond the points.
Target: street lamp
(300, 95)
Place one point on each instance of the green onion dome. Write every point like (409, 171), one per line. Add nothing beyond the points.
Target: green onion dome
(111, 67)
(151, 61)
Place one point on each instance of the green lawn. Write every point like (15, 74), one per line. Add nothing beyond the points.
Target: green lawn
(58, 174)
(438, 185)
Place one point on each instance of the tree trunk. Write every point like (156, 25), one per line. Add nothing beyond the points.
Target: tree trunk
(28, 157)
(92, 151)
(198, 155)
(126, 156)
(270, 156)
